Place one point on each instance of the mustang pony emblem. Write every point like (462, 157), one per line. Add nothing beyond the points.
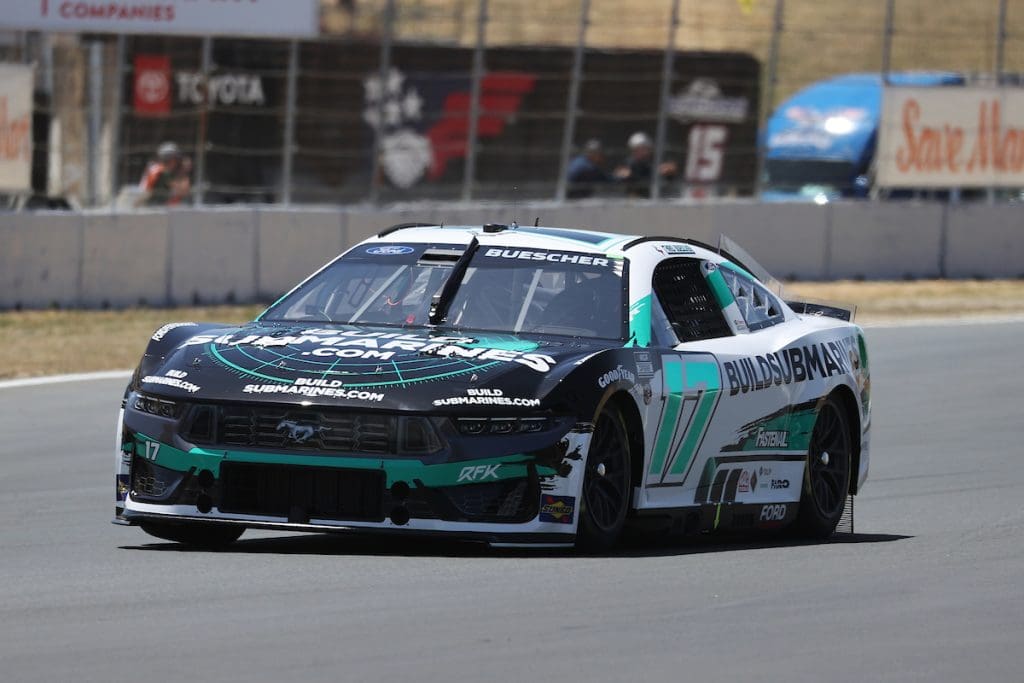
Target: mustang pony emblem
(299, 432)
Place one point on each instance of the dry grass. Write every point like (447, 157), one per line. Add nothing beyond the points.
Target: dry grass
(55, 342)
(881, 301)
(52, 342)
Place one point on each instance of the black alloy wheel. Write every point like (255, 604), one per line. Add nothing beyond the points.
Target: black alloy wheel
(827, 476)
(197, 535)
(606, 485)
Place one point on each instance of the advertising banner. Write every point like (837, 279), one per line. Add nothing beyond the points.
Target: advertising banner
(420, 109)
(284, 18)
(16, 83)
(152, 91)
(945, 137)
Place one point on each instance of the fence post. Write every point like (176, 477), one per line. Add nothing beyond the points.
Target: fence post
(94, 120)
(116, 114)
(887, 41)
(1000, 41)
(46, 56)
(667, 65)
(1000, 54)
(206, 61)
(289, 122)
(572, 103)
(469, 173)
(771, 78)
(385, 67)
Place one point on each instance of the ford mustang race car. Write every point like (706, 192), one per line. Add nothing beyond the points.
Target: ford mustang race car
(513, 385)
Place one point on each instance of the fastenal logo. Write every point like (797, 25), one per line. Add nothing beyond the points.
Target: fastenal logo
(299, 433)
(772, 439)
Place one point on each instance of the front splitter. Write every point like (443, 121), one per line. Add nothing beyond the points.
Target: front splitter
(495, 539)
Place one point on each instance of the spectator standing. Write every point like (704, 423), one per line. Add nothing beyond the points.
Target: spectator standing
(586, 171)
(166, 180)
(637, 169)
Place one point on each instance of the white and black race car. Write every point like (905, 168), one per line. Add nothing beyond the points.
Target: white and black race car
(514, 385)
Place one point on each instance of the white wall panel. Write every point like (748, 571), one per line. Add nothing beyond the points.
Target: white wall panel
(293, 244)
(213, 255)
(891, 240)
(125, 259)
(985, 241)
(40, 259)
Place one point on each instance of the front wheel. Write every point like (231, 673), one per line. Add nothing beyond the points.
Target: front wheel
(827, 476)
(197, 535)
(606, 485)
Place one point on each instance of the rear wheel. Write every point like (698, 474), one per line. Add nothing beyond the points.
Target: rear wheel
(199, 535)
(606, 485)
(827, 476)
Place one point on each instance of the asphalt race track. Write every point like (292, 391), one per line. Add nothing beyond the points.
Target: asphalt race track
(931, 588)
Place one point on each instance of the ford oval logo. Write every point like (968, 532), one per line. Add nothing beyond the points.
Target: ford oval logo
(390, 250)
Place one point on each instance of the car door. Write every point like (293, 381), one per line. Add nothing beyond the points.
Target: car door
(711, 439)
(756, 449)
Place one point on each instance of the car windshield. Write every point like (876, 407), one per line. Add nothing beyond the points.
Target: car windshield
(501, 289)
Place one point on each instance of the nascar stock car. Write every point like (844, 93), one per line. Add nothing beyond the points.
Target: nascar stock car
(513, 385)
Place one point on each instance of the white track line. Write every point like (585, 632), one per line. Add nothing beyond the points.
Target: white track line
(58, 379)
(919, 322)
(996, 319)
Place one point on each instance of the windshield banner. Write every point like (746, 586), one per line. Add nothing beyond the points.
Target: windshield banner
(945, 137)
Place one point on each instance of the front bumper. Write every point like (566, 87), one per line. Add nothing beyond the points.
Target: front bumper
(521, 499)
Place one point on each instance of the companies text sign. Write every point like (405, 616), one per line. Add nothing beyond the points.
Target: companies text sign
(194, 17)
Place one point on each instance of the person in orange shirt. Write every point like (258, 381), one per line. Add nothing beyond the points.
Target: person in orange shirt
(166, 179)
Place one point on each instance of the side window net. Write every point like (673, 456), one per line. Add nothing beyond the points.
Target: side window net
(688, 302)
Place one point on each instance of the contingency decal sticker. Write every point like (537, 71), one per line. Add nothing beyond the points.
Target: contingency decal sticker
(558, 509)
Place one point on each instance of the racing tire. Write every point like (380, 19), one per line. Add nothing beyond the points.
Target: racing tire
(826, 481)
(204, 536)
(607, 488)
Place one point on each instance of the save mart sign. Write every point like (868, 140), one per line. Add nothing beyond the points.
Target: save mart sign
(272, 18)
(951, 137)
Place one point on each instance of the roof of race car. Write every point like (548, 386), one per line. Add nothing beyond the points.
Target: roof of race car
(540, 238)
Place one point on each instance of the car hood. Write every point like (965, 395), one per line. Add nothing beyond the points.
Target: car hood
(366, 367)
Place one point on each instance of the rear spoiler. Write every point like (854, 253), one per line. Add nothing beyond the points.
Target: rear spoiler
(830, 310)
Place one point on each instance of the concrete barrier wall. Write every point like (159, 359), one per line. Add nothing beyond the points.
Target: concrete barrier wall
(213, 256)
(41, 260)
(125, 259)
(985, 241)
(897, 240)
(217, 255)
(292, 244)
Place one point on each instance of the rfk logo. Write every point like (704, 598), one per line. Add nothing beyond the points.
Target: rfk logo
(299, 433)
